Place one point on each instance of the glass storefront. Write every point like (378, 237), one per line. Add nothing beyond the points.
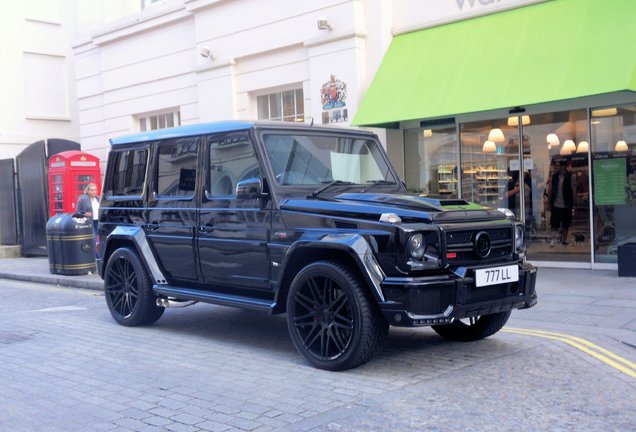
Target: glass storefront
(539, 167)
(614, 179)
(430, 162)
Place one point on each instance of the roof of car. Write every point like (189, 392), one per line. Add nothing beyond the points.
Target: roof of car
(213, 127)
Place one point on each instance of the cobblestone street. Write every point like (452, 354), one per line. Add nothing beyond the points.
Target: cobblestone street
(66, 366)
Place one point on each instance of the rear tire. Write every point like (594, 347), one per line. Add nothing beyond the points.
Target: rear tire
(331, 319)
(475, 329)
(128, 290)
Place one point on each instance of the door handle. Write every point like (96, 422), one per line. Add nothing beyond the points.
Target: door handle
(152, 226)
(206, 229)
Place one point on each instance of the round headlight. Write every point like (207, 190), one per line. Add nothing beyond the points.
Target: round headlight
(417, 246)
(518, 236)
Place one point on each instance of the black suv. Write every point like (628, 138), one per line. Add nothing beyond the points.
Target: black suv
(307, 220)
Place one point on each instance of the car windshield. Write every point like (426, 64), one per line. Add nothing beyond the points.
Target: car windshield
(322, 159)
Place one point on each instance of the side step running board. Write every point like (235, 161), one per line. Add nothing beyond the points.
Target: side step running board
(213, 297)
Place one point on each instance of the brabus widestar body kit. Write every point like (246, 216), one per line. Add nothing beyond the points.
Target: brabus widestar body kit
(305, 220)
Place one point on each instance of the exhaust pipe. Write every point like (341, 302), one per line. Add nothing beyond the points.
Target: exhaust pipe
(161, 302)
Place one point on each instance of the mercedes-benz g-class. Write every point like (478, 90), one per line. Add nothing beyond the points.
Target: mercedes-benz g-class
(305, 220)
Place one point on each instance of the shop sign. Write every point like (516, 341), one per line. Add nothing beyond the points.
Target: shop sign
(409, 15)
(610, 181)
(528, 164)
(333, 95)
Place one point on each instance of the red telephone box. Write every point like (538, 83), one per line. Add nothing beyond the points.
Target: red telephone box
(69, 174)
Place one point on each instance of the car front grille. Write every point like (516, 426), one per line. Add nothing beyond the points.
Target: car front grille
(460, 244)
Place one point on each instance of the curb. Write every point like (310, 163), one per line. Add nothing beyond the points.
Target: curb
(65, 281)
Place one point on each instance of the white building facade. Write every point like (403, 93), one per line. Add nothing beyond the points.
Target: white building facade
(37, 77)
(188, 61)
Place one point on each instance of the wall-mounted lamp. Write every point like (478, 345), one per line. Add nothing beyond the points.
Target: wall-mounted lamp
(205, 52)
(583, 147)
(427, 133)
(496, 136)
(552, 140)
(323, 24)
(621, 146)
(489, 147)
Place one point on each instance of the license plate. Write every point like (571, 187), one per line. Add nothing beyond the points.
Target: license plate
(496, 275)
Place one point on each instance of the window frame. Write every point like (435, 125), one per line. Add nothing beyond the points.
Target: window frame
(297, 116)
(145, 119)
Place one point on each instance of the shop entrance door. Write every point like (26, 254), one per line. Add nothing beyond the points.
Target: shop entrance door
(509, 163)
(556, 168)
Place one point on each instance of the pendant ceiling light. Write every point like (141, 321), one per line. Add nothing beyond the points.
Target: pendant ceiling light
(569, 146)
(553, 140)
(496, 136)
(621, 146)
(514, 120)
(583, 147)
(564, 151)
(489, 147)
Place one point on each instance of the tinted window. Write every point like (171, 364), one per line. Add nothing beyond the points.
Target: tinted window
(232, 159)
(128, 173)
(177, 168)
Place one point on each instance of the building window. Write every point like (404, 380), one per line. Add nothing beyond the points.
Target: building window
(147, 3)
(282, 106)
(148, 122)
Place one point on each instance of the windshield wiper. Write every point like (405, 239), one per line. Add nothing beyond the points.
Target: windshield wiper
(374, 183)
(318, 191)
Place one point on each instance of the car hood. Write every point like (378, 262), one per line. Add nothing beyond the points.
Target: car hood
(411, 208)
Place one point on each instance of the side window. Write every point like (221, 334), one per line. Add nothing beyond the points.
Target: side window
(177, 168)
(128, 173)
(232, 159)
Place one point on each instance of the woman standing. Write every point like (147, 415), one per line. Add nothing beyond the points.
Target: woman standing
(88, 204)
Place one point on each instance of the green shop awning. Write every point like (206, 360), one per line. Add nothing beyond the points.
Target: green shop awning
(556, 50)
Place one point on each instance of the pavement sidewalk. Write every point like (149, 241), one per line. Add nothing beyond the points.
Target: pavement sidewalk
(37, 270)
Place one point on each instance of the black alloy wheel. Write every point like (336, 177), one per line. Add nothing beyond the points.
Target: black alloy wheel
(332, 322)
(473, 328)
(128, 290)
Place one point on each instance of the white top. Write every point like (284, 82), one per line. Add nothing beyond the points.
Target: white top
(95, 205)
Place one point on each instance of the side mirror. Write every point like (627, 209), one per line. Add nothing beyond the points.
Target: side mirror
(249, 188)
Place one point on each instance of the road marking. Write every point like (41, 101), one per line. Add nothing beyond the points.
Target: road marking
(609, 358)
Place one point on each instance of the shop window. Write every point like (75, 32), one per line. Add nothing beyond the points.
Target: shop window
(148, 122)
(176, 168)
(431, 161)
(487, 149)
(613, 151)
(281, 106)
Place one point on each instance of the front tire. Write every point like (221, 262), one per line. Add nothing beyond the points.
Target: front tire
(475, 328)
(128, 290)
(331, 319)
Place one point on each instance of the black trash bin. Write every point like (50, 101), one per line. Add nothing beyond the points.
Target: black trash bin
(71, 244)
(627, 259)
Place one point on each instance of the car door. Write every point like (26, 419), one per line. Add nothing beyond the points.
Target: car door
(233, 232)
(171, 212)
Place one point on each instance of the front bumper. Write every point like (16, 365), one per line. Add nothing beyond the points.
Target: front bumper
(441, 299)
